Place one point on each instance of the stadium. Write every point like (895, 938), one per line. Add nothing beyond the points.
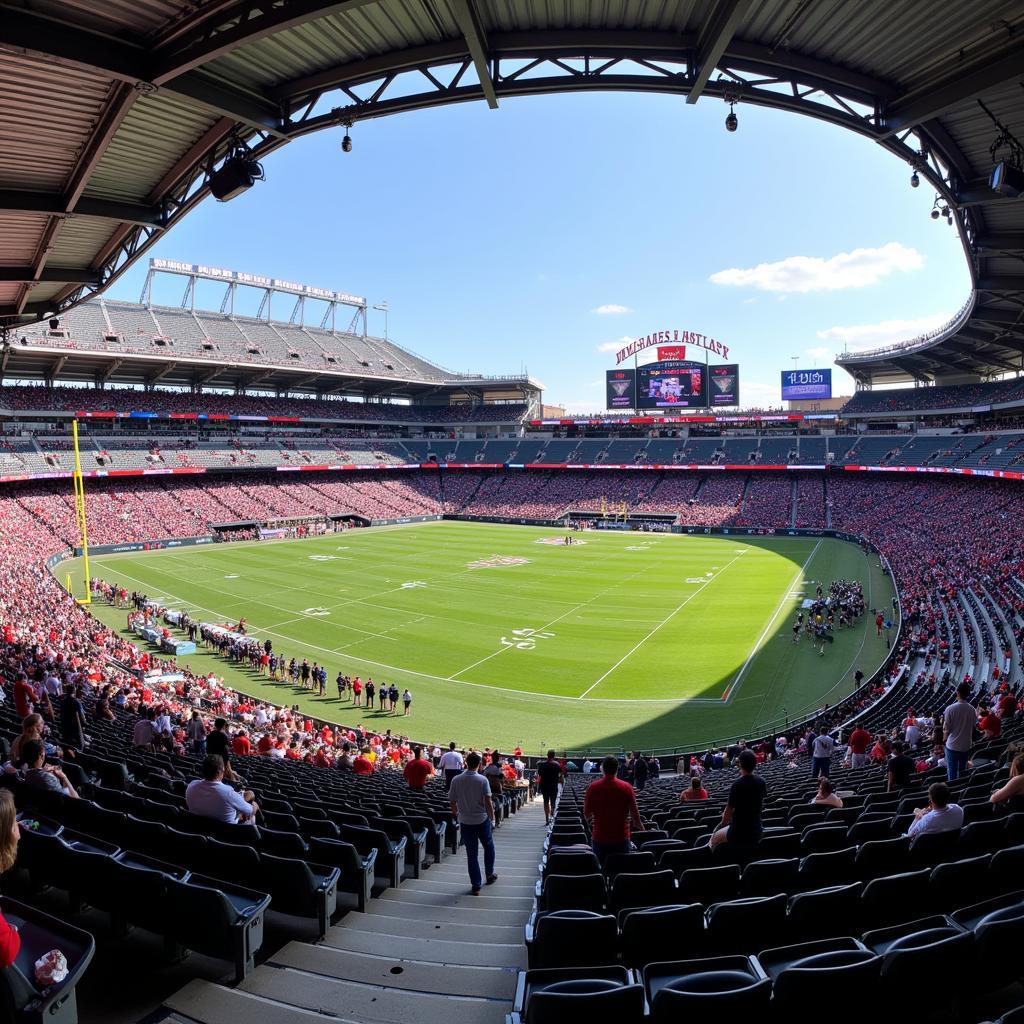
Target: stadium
(742, 678)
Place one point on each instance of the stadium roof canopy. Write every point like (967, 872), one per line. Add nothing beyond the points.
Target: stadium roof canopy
(115, 112)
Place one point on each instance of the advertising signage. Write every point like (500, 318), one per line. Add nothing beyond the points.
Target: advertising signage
(620, 389)
(724, 386)
(803, 384)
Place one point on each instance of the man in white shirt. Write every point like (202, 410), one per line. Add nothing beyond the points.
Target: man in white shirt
(260, 718)
(470, 797)
(939, 816)
(451, 764)
(959, 721)
(211, 797)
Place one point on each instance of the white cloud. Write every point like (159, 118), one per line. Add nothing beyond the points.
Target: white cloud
(885, 332)
(854, 269)
(820, 352)
(759, 396)
(611, 308)
(583, 407)
(614, 346)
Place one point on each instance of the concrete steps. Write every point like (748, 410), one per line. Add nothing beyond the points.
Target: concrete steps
(427, 952)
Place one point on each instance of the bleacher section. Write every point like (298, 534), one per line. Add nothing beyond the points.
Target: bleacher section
(962, 396)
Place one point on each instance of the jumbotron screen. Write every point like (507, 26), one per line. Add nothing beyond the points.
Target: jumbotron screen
(725, 384)
(672, 384)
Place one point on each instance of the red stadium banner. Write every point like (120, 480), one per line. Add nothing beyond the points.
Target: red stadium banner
(671, 352)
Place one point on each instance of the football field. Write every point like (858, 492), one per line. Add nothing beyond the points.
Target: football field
(506, 635)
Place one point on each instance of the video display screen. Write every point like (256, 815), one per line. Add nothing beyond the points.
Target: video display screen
(672, 384)
(802, 384)
(724, 385)
(620, 389)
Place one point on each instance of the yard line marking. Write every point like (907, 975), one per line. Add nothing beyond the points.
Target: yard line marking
(532, 694)
(668, 618)
(582, 604)
(757, 646)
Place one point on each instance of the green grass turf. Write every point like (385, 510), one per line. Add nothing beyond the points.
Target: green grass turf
(624, 640)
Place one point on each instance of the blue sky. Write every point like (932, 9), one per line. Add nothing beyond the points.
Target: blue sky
(495, 236)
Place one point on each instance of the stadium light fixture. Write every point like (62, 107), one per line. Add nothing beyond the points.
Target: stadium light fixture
(346, 142)
(914, 180)
(239, 172)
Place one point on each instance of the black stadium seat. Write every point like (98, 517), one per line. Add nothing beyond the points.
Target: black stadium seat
(814, 914)
(740, 926)
(769, 877)
(20, 998)
(217, 919)
(656, 933)
(839, 973)
(598, 995)
(572, 938)
(356, 870)
(722, 988)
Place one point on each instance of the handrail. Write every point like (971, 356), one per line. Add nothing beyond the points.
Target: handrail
(950, 327)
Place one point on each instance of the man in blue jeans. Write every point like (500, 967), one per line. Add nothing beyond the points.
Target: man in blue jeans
(470, 797)
(959, 721)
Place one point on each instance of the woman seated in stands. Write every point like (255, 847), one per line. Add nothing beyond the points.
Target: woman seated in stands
(39, 774)
(10, 940)
(1011, 796)
(695, 791)
(825, 797)
(31, 729)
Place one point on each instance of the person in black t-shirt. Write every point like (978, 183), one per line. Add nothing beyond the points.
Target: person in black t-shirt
(741, 819)
(219, 742)
(901, 767)
(549, 775)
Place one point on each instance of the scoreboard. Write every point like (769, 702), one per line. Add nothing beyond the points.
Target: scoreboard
(672, 384)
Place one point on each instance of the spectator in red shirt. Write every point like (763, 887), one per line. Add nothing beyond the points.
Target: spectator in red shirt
(610, 806)
(990, 725)
(362, 765)
(24, 695)
(860, 740)
(695, 792)
(418, 770)
(264, 744)
(240, 745)
(10, 940)
(1007, 705)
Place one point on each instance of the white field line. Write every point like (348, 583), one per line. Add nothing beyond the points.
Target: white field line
(532, 694)
(671, 615)
(575, 608)
(730, 692)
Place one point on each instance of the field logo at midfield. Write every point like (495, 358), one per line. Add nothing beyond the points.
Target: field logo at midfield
(559, 541)
(315, 611)
(413, 584)
(497, 562)
(322, 558)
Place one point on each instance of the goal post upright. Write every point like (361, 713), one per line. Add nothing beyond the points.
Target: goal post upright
(83, 527)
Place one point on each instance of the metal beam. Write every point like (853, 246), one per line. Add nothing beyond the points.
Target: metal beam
(57, 366)
(1000, 284)
(990, 315)
(977, 192)
(17, 201)
(473, 32)
(204, 378)
(715, 35)
(160, 373)
(109, 370)
(957, 86)
(51, 275)
(239, 25)
(1008, 241)
(129, 62)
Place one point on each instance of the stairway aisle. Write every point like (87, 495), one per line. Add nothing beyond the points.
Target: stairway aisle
(426, 952)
